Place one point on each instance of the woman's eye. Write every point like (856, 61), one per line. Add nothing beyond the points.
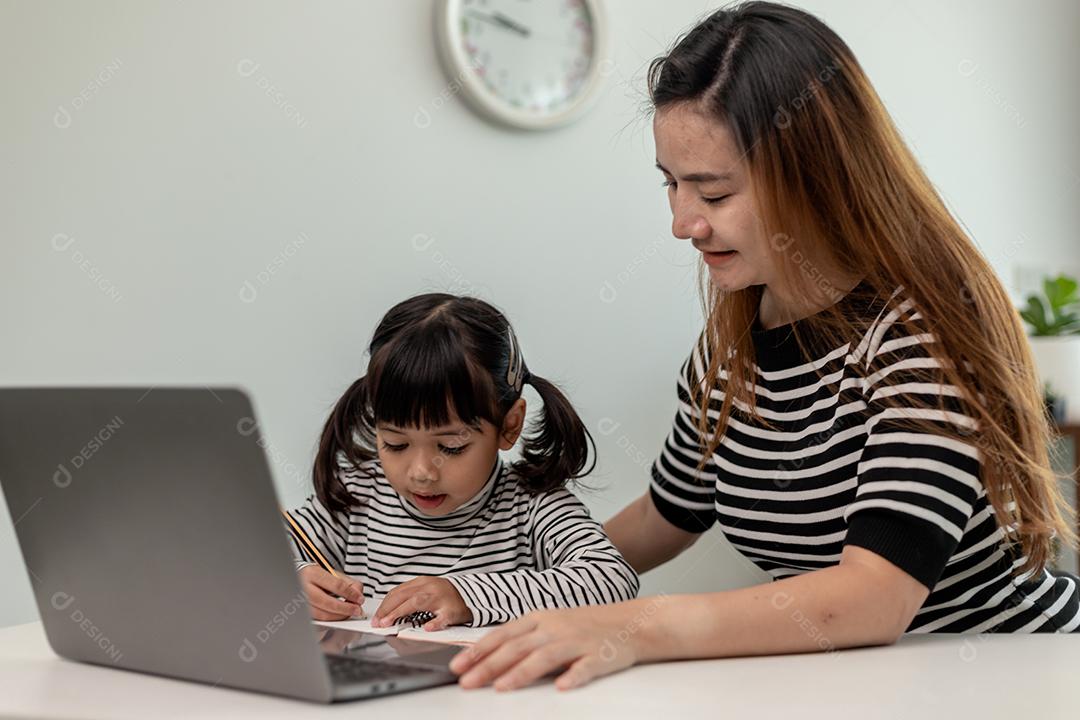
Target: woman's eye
(393, 448)
(452, 450)
(715, 200)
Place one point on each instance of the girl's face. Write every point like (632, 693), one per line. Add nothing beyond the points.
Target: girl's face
(712, 202)
(440, 469)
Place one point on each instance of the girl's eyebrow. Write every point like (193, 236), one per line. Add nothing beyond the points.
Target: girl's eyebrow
(442, 433)
(457, 431)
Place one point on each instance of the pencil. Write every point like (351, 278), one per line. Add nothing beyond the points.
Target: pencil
(309, 547)
(313, 552)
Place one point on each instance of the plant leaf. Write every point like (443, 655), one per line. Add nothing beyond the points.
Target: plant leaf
(1035, 315)
(1060, 291)
(1068, 323)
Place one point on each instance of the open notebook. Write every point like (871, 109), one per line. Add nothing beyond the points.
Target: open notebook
(456, 635)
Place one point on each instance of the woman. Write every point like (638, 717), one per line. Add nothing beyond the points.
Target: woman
(860, 414)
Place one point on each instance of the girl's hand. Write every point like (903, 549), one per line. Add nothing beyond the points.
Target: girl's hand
(434, 594)
(323, 591)
(592, 641)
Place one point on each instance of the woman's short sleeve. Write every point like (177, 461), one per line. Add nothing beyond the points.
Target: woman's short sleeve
(683, 493)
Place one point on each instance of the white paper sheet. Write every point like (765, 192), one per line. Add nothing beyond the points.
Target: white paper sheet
(457, 635)
(363, 623)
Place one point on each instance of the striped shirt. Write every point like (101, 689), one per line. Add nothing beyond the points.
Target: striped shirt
(836, 464)
(507, 552)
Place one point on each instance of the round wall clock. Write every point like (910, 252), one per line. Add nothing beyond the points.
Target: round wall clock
(531, 64)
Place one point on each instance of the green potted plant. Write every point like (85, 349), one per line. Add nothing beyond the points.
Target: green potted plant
(1053, 320)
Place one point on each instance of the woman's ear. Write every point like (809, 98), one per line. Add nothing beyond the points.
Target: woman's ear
(512, 425)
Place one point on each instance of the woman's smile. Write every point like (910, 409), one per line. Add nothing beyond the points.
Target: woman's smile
(718, 259)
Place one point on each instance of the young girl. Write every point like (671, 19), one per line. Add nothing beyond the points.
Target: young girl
(412, 500)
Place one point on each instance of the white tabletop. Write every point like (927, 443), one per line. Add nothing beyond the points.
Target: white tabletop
(944, 676)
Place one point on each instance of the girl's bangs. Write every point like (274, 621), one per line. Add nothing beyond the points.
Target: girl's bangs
(423, 379)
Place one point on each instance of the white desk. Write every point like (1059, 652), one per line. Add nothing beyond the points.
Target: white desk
(956, 677)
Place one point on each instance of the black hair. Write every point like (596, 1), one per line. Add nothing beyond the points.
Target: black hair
(752, 65)
(435, 356)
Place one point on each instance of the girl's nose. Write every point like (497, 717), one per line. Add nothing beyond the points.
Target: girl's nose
(424, 470)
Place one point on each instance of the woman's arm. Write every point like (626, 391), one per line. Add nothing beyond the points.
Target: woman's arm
(864, 600)
(644, 537)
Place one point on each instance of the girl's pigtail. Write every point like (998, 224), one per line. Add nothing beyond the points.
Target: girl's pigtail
(556, 449)
(347, 423)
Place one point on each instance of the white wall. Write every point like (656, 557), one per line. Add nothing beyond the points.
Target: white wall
(177, 179)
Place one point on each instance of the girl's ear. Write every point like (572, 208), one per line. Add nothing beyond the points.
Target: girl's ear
(512, 425)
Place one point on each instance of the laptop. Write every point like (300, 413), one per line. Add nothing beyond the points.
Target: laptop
(151, 532)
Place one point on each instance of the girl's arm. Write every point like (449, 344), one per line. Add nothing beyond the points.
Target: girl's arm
(577, 563)
(644, 537)
(326, 531)
(330, 596)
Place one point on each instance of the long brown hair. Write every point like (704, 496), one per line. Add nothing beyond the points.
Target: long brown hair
(837, 188)
(437, 355)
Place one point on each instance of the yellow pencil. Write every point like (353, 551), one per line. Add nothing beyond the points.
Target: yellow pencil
(313, 551)
(305, 542)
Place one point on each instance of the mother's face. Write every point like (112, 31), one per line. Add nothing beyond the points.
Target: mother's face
(712, 202)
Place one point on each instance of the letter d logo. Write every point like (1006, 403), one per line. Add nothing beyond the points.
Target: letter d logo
(62, 601)
(247, 651)
(62, 477)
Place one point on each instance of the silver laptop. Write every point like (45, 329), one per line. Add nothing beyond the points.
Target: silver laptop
(151, 532)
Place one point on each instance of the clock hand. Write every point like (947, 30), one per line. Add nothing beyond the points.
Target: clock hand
(510, 24)
(500, 20)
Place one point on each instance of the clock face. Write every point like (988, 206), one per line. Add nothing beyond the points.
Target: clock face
(534, 57)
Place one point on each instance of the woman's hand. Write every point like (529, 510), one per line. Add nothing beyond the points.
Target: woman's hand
(433, 594)
(590, 641)
(330, 597)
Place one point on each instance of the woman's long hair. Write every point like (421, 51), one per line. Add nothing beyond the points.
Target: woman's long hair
(837, 188)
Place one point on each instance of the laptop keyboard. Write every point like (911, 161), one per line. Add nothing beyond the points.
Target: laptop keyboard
(356, 670)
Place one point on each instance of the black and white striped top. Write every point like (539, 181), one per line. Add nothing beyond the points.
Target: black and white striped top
(507, 552)
(841, 463)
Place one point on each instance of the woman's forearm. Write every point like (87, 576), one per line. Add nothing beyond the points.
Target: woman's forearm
(832, 608)
(864, 600)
